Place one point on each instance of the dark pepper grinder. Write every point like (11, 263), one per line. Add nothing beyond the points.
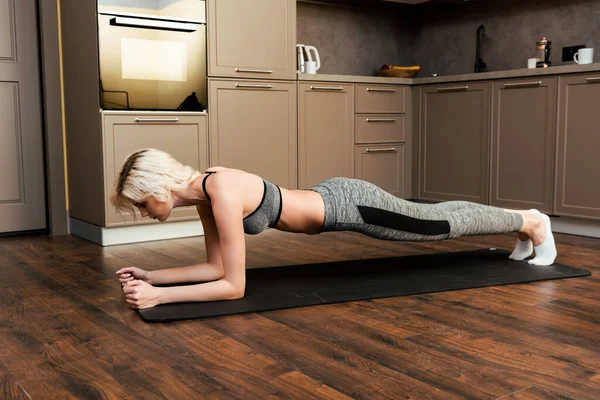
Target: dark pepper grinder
(543, 52)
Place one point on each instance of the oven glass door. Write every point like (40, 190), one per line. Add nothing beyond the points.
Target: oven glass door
(151, 59)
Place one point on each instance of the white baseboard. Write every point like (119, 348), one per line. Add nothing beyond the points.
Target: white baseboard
(134, 233)
(173, 230)
(576, 226)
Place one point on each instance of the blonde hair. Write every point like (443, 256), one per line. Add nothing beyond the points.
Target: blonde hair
(149, 172)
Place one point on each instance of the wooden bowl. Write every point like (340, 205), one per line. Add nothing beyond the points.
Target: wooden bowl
(398, 73)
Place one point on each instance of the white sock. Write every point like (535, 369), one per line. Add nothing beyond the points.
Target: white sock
(523, 249)
(545, 253)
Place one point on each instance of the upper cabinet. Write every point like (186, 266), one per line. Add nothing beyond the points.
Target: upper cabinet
(252, 39)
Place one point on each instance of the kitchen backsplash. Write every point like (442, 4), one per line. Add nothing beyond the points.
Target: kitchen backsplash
(355, 41)
(445, 42)
(441, 37)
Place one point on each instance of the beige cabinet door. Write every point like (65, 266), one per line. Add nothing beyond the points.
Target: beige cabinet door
(382, 165)
(325, 132)
(523, 143)
(183, 136)
(453, 142)
(252, 39)
(578, 153)
(22, 195)
(253, 128)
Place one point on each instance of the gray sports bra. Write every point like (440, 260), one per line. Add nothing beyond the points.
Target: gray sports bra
(267, 213)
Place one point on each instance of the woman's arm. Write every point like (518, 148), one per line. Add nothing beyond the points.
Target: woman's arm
(211, 270)
(227, 210)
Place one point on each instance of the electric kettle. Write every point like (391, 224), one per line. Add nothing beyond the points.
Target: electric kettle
(310, 51)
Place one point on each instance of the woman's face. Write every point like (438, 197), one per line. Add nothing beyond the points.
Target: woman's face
(152, 208)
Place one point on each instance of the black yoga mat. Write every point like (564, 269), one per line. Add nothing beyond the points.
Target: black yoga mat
(334, 282)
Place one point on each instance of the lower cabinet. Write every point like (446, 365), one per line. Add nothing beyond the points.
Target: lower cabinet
(454, 142)
(382, 165)
(253, 127)
(183, 136)
(578, 147)
(325, 132)
(523, 143)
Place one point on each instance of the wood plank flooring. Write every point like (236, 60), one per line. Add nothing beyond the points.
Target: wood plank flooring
(67, 333)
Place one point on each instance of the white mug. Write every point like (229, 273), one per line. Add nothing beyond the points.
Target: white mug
(310, 67)
(532, 63)
(584, 56)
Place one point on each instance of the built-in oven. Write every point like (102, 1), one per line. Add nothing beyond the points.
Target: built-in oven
(152, 54)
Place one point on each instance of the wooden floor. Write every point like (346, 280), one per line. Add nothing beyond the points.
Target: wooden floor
(66, 332)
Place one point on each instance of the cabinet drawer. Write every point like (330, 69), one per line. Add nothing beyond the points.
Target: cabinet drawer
(382, 165)
(380, 98)
(376, 128)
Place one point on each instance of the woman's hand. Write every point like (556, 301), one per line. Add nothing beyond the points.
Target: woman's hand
(128, 274)
(140, 294)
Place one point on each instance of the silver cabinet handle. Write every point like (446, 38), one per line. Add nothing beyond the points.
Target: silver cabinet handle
(244, 85)
(256, 71)
(388, 150)
(326, 88)
(453, 89)
(157, 120)
(522, 84)
(380, 90)
(381, 120)
(594, 79)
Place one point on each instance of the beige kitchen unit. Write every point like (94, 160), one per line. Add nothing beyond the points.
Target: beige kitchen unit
(325, 131)
(253, 127)
(523, 143)
(454, 134)
(252, 39)
(578, 158)
(183, 136)
(380, 136)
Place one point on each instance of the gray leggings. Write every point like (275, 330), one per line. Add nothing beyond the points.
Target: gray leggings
(359, 206)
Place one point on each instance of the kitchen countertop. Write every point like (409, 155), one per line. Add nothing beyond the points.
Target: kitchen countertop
(514, 73)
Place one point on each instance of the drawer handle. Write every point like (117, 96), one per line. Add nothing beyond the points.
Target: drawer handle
(157, 120)
(326, 88)
(244, 85)
(594, 79)
(257, 71)
(381, 120)
(522, 84)
(388, 150)
(453, 89)
(380, 90)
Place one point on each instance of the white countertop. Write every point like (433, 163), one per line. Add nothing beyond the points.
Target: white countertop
(514, 73)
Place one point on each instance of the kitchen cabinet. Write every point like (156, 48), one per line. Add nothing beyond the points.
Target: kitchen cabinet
(523, 143)
(253, 127)
(325, 131)
(380, 136)
(454, 134)
(179, 134)
(382, 165)
(578, 161)
(252, 39)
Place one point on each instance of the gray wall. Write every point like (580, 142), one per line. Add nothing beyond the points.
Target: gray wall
(356, 41)
(445, 42)
(441, 37)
